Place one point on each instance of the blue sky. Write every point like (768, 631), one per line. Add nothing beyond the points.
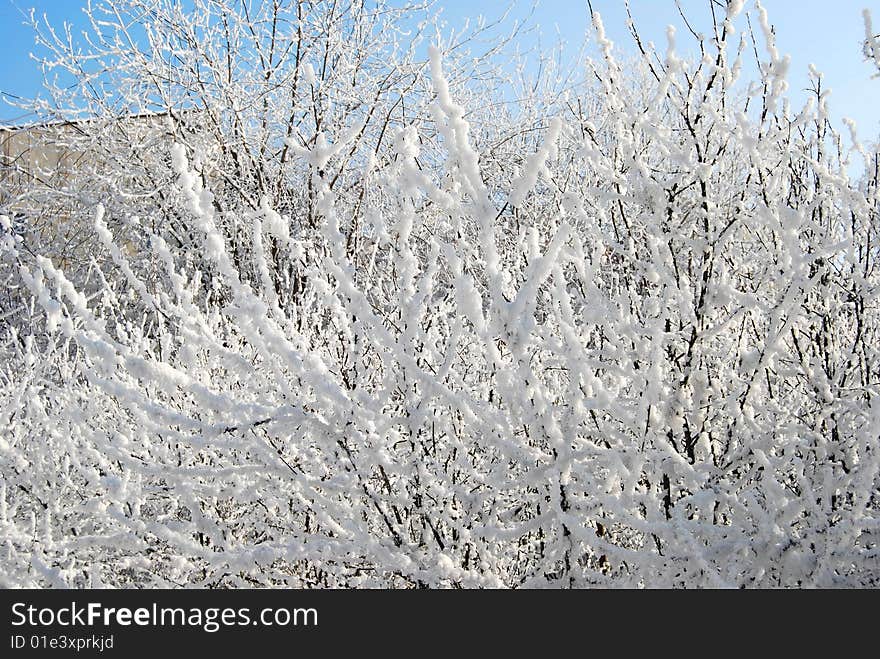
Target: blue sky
(826, 33)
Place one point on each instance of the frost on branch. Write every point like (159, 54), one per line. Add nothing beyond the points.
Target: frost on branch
(872, 41)
(639, 348)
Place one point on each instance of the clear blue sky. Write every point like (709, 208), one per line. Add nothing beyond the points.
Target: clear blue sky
(826, 33)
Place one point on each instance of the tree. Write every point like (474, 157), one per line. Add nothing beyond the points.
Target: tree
(640, 349)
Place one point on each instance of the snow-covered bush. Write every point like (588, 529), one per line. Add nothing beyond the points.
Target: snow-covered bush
(643, 352)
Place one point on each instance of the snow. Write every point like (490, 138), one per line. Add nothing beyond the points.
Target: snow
(410, 338)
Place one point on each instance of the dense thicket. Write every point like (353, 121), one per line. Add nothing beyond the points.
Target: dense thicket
(354, 322)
